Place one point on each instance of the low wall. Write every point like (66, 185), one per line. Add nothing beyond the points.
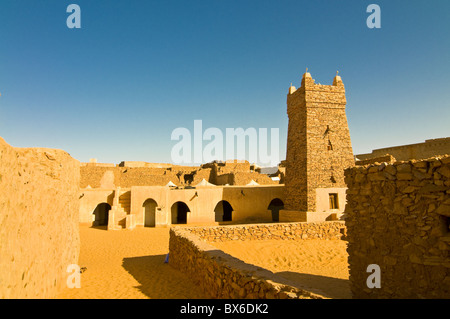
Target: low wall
(223, 276)
(430, 148)
(39, 234)
(376, 160)
(125, 177)
(398, 217)
(282, 231)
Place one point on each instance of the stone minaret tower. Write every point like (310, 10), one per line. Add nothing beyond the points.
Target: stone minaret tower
(318, 151)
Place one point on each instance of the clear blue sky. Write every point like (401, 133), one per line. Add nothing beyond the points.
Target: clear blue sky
(116, 88)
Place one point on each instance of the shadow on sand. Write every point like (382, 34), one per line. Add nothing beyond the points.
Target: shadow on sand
(100, 227)
(330, 287)
(158, 280)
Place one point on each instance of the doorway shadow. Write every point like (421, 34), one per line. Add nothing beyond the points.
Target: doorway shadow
(329, 287)
(105, 227)
(244, 222)
(158, 280)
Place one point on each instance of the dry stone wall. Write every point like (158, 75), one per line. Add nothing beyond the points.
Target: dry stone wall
(39, 207)
(397, 217)
(283, 231)
(376, 160)
(430, 148)
(223, 276)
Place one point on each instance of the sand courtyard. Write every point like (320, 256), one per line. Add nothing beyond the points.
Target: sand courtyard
(130, 264)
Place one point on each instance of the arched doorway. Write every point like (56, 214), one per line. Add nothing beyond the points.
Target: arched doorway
(149, 213)
(275, 206)
(223, 212)
(179, 212)
(101, 214)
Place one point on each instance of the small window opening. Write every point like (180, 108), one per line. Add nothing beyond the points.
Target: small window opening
(334, 203)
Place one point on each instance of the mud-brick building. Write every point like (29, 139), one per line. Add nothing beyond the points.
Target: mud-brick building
(159, 195)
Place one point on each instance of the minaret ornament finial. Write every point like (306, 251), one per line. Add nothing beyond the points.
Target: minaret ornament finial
(337, 73)
(306, 70)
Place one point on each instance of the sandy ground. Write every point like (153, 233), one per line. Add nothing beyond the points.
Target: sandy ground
(315, 263)
(128, 264)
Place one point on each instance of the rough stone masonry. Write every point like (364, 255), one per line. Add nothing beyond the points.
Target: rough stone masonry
(318, 148)
(222, 276)
(398, 217)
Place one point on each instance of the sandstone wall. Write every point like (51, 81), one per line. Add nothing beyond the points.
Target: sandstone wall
(223, 276)
(282, 231)
(243, 178)
(236, 173)
(296, 161)
(380, 159)
(154, 165)
(201, 174)
(126, 176)
(100, 176)
(224, 179)
(39, 209)
(232, 166)
(397, 217)
(318, 145)
(430, 148)
(250, 204)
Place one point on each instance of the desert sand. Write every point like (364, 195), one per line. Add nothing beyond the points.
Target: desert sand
(129, 264)
(316, 263)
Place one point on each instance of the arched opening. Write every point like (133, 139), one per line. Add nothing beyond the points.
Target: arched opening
(223, 211)
(149, 213)
(275, 206)
(101, 214)
(179, 212)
